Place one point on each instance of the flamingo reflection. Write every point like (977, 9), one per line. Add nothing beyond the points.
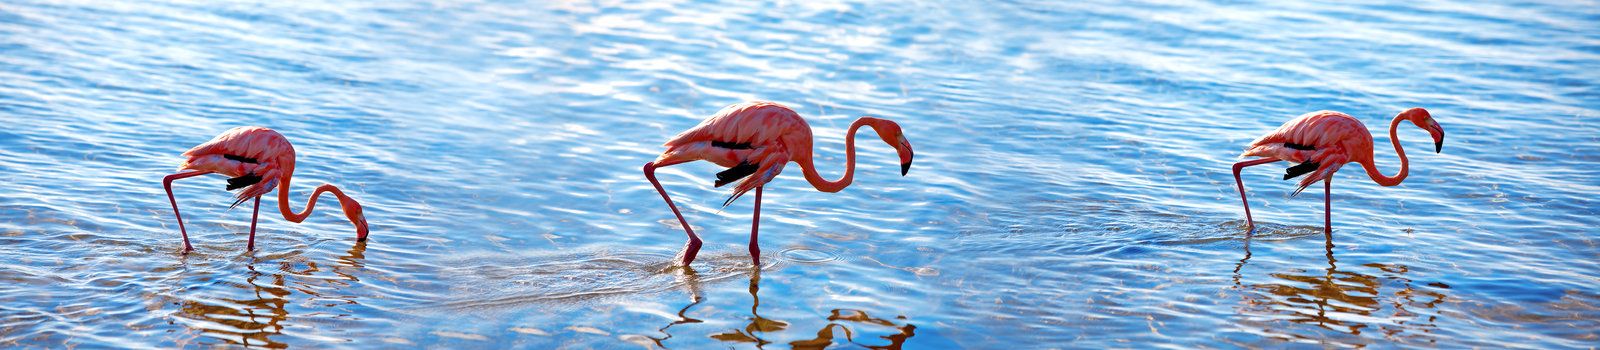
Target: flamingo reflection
(245, 321)
(760, 327)
(1342, 300)
(254, 320)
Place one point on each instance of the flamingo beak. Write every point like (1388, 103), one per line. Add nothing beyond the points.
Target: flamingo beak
(1438, 135)
(905, 164)
(361, 228)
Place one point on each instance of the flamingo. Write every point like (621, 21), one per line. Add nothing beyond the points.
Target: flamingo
(754, 140)
(1320, 142)
(255, 159)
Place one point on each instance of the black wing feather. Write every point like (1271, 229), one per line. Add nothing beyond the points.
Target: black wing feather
(1292, 145)
(735, 173)
(242, 159)
(1302, 169)
(242, 182)
(732, 145)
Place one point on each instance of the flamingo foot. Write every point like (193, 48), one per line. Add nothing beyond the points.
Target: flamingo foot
(693, 247)
(166, 182)
(755, 231)
(690, 250)
(1327, 211)
(256, 213)
(755, 256)
(1250, 222)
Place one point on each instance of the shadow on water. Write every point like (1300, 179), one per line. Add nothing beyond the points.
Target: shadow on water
(263, 313)
(1340, 300)
(754, 332)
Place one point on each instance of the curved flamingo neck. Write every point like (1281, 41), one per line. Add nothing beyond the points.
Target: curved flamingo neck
(283, 197)
(1405, 165)
(824, 185)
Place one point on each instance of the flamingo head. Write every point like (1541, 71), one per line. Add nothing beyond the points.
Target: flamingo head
(352, 210)
(1423, 120)
(891, 134)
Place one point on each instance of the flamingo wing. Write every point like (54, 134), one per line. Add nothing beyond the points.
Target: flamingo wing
(1277, 145)
(1319, 143)
(251, 157)
(747, 138)
(766, 166)
(1321, 166)
(743, 124)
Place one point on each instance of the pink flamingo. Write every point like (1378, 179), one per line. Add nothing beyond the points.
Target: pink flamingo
(255, 159)
(754, 140)
(1321, 142)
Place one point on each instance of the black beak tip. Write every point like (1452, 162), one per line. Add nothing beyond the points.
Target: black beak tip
(905, 168)
(1438, 147)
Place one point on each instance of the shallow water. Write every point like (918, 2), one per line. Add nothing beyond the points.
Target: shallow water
(1071, 186)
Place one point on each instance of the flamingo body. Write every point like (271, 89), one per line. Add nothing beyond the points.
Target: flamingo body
(256, 160)
(251, 156)
(752, 139)
(1321, 142)
(755, 140)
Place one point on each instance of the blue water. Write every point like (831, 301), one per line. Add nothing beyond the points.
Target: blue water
(1071, 187)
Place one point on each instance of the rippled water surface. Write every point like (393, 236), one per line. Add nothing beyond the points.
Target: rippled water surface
(1071, 186)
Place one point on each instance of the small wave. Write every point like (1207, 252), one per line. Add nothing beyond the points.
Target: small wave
(808, 256)
(496, 282)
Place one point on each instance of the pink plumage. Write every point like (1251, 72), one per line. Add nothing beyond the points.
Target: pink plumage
(1321, 142)
(755, 140)
(751, 134)
(256, 160)
(1326, 138)
(246, 153)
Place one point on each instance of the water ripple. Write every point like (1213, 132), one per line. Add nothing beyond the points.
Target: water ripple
(1072, 183)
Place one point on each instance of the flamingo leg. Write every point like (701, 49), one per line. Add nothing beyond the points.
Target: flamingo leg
(253, 215)
(1250, 222)
(693, 247)
(1327, 209)
(167, 183)
(755, 229)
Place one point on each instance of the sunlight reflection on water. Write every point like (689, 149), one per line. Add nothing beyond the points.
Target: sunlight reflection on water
(1071, 184)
